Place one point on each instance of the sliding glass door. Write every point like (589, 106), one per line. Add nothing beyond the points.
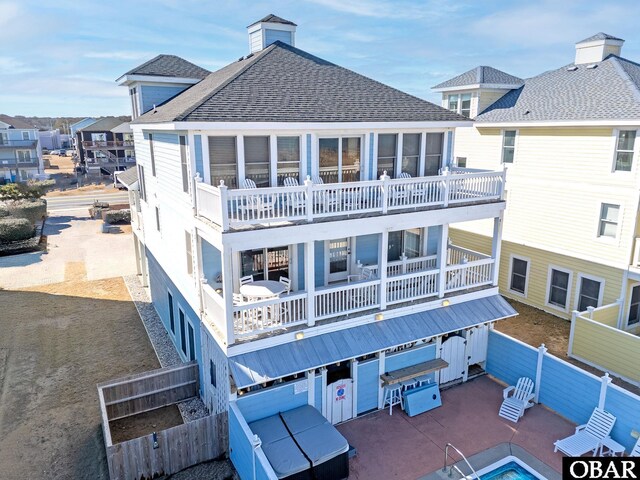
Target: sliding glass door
(340, 159)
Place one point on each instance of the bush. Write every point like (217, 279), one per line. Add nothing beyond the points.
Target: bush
(32, 210)
(4, 210)
(117, 216)
(15, 229)
(31, 190)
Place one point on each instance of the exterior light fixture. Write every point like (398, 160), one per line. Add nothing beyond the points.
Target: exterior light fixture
(446, 303)
(379, 316)
(299, 335)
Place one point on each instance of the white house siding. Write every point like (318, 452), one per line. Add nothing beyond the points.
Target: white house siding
(488, 97)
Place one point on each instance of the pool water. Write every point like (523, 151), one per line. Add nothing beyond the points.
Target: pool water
(509, 471)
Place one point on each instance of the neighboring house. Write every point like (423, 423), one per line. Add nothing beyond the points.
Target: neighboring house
(73, 129)
(51, 139)
(567, 139)
(105, 145)
(20, 151)
(375, 285)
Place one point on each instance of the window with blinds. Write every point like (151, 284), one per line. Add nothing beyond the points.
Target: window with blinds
(411, 153)
(433, 153)
(256, 160)
(223, 161)
(288, 158)
(387, 154)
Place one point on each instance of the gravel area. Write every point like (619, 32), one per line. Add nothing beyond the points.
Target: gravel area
(165, 351)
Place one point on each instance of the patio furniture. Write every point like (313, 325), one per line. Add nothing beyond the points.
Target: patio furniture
(423, 380)
(262, 289)
(587, 437)
(256, 204)
(635, 451)
(290, 182)
(287, 284)
(392, 397)
(238, 299)
(610, 448)
(421, 399)
(365, 274)
(408, 384)
(414, 371)
(517, 399)
(295, 200)
(404, 175)
(246, 279)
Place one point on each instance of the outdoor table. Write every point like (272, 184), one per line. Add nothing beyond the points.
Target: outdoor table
(408, 373)
(262, 289)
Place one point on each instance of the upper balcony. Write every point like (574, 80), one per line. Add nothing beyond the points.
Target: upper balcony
(27, 144)
(248, 208)
(107, 144)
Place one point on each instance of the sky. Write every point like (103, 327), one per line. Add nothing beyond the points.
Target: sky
(62, 57)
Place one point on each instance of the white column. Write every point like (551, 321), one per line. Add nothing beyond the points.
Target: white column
(364, 164)
(606, 380)
(496, 247)
(436, 375)
(542, 350)
(303, 158)
(354, 390)
(323, 373)
(381, 370)
(309, 281)
(383, 252)
(206, 165)
(311, 387)
(227, 289)
(273, 160)
(374, 167)
(240, 159)
(423, 153)
(574, 316)
(398, 166)
(442, 259)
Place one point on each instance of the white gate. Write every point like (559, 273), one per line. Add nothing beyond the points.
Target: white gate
(339, 401)
(477, 347)
(452, 351)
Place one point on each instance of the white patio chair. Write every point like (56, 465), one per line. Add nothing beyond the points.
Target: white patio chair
(517, 399)
(246, 279)
(256, 203)
(587, 437)
(317, 180)
(404, 175)
(295, 200)
(365, 274)
(635, 451)
(290, 182)
(287, 284)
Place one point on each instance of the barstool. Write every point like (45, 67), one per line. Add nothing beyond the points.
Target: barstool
(392, 396)
(409, 384)
(423, 380)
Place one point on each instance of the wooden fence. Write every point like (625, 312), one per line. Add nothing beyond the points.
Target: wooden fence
(167, 451)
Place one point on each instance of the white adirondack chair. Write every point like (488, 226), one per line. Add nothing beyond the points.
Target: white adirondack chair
(587, 437)
(635, 451)
(256, 205)
(517, 399)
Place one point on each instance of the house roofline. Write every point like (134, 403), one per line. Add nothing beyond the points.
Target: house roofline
(635, 122)
(129, 79)
(473, 86)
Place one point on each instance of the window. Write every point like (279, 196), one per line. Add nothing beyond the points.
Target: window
(433, 155)
(453, 103)
(608, 225)
(410, 153)
(25, 135)
(559, 284)
(634, 307)
(624, 150)
(589, 293)
(508, 146)
(256, 160)
(152, 156)
(519, 273)
(192, 342)
(143, 189)
(340, 159)
(158, 219)
(408, 242)
(183, 337)
(465, 104)
(24, 156)
(212, 374)
(4, 138)
(387, 151)
(172, 321)
(223, 161)
(461, 162)
(288, 158)
(187, 239)
(184, 164)
(265, 263)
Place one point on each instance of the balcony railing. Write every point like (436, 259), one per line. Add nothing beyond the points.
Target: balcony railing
(108, 144)
(18, 143)
(337, 300)
(242, 207)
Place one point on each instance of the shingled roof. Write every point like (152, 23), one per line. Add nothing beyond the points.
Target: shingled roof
(606, 90)
(284, 84)
(481, 75)
(169, 66)
(104, 124)
(15, 122)
(599, 36)
(271, 18)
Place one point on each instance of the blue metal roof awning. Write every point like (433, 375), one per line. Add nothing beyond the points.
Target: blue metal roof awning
(281, 360)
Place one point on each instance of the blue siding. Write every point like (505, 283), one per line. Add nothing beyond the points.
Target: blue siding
(368, 383)
(197, 139)
(300, 267)
(241, 450)
(372, 174)
(211, 261)
(159, 285)
(158, 137)
(433, 239)
(272, 36)
(395, 361)
(570, 392)
(319, 394)
(155, 95)
(626, 408)
(264, 403)
(367, 249)
(509, 360)
(309, 154)
(319, 263)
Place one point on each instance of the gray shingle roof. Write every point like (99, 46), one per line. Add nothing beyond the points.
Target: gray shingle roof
(610, 91)
(15, 122)
(481, 75)
(600, 36)
(169, 66)
(102, 125)
(271, 18)
(284, 84)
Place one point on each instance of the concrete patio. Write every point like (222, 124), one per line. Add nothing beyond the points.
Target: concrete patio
(400, 447)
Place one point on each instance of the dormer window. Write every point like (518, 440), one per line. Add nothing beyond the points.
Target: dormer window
(460, 103)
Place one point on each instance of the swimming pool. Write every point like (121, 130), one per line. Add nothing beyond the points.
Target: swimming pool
(509, 468)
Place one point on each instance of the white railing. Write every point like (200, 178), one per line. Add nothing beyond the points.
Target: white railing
(346, 298)
(235, 208)
(457, 255)
(412, 286)
(468, 275)
(213, 304)
(407, 265)
(270, 314)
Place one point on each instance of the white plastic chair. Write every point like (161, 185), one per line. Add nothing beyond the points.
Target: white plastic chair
(287, 283)
(404, 175)
(256, 203)
(517, 399)
(587, 437)
(246, 279)
(290, 182)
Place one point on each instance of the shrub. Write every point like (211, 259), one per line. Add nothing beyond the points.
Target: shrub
(32, 210)
(4, 210)
(31, 190)
(15, 229)
(117, 216)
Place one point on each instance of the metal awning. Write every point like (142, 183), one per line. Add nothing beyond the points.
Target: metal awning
(313, 352)
(129, 178)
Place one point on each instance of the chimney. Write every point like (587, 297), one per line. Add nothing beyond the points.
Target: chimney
(269, 30)
(597, 47)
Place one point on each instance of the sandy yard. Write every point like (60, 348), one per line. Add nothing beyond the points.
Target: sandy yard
(61, 169)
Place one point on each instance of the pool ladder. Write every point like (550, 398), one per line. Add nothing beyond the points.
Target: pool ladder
(453, 465)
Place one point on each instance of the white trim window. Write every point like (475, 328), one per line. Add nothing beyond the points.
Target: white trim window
(257, 160)
(625, 148)
(590, 291)
(288, 161)
(609, 220)
(24, 156)
(25, 135)
(634, 307)
(519, 275)
(460, 103)
(509, 145)
(558, 287)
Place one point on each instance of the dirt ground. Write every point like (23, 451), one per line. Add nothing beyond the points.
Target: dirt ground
(144, 423)
(61, 169)
(58, 341)
(535, 327)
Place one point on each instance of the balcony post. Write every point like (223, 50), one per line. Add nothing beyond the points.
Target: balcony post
(309, 281)
(382, 267)
(403, 259)
(224, 205)
(443, 245)
(384, 178)
(309, 198)
(496, 246)
(446, 179)
(227, 292)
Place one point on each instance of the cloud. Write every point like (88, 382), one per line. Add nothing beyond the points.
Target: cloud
(9, 12)
(12, 66)
(390, 9)
(119, 55)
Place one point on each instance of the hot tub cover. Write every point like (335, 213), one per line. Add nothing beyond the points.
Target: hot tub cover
(302, 418)
(285, 457)
(322, 443)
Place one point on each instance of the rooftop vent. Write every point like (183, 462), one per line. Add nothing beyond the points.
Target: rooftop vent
(596, 48)
(269, 30)
(592, 66)
(572, 68)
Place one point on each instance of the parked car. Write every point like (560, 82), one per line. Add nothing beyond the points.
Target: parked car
(63, 152)
(54, 152)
